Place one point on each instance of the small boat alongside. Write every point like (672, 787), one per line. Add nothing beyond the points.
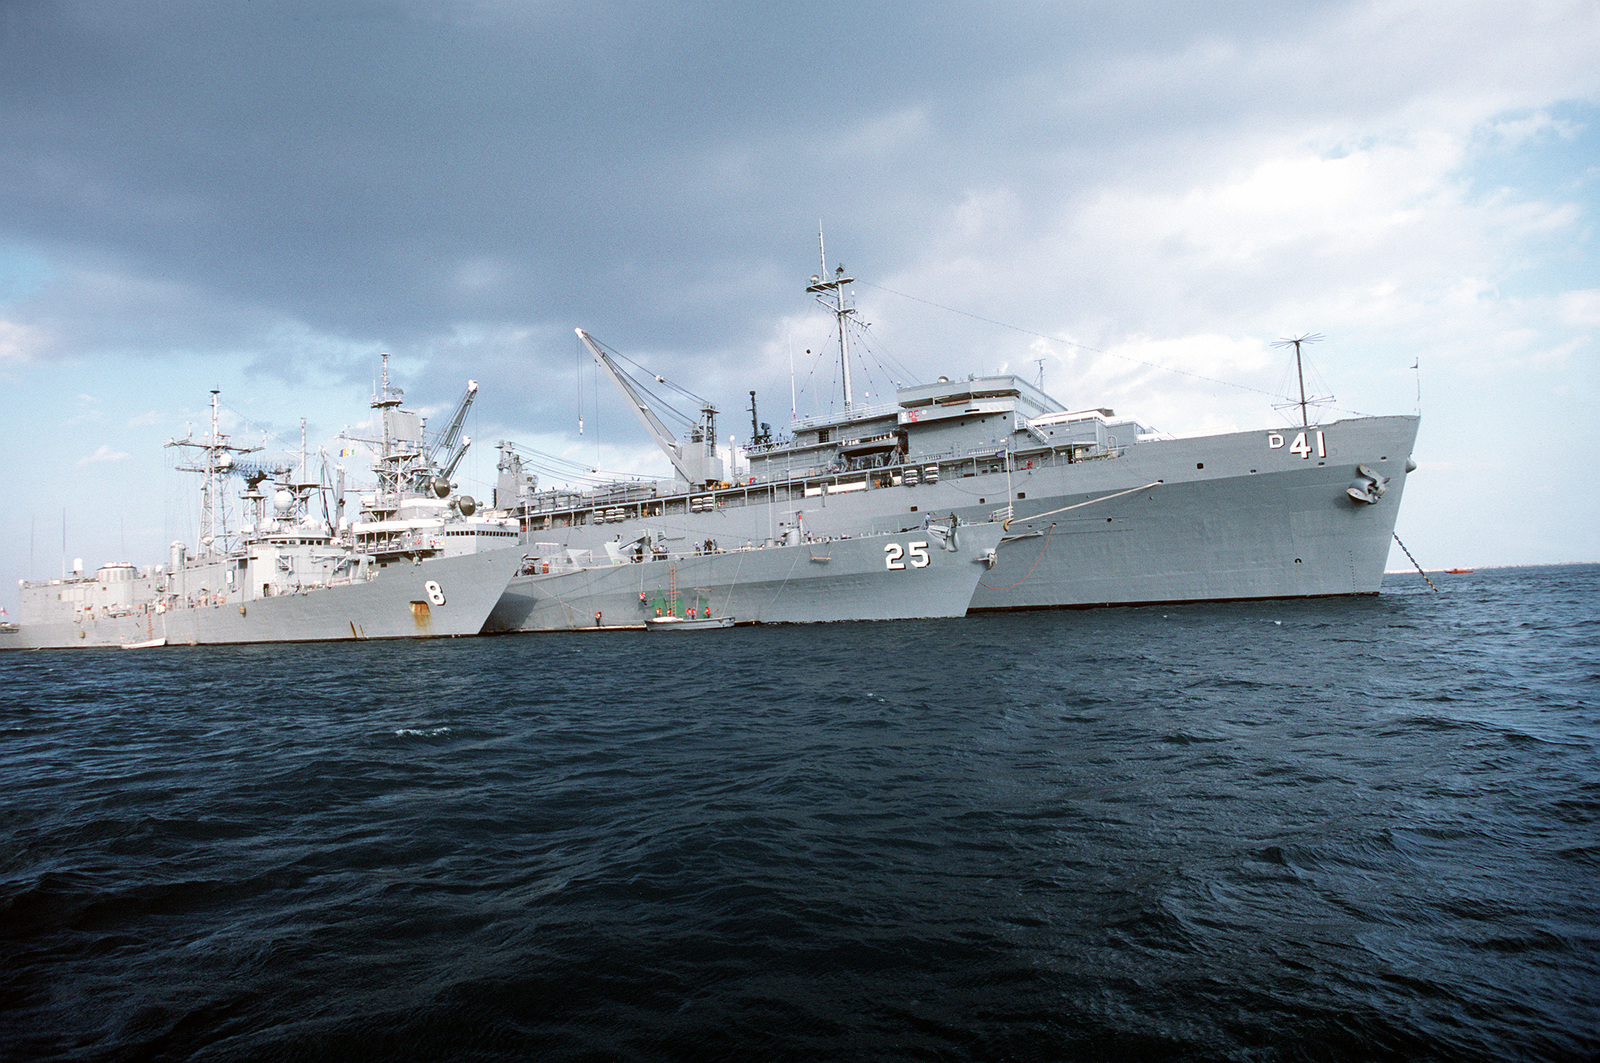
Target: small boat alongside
(686, 623)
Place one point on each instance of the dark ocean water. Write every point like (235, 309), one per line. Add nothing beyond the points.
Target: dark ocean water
(1361, 829)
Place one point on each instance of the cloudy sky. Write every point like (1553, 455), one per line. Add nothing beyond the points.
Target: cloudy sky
(1134, 199)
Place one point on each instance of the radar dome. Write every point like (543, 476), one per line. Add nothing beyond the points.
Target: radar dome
(283, 501)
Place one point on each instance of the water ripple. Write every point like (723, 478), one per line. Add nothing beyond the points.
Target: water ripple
(1288, 830)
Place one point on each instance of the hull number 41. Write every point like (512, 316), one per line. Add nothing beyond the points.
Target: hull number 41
(1305, 443)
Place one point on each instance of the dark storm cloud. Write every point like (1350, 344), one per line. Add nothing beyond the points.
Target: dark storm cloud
(384, 168)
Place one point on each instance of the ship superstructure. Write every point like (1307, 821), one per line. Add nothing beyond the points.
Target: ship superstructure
(414, 511)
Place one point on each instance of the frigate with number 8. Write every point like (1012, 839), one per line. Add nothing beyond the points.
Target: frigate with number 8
(420, 563)
(1097, 509)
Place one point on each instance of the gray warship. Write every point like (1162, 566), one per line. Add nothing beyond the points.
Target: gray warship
(1096, 509)
(417, 564)
(930, 572)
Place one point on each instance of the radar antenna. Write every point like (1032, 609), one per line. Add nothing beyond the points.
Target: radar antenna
(1299, 368)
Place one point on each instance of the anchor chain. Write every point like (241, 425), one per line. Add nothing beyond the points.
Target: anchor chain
(1423, 574)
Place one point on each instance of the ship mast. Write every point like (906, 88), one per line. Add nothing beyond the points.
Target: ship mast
(216, 465)
(1300, 371)
(389, 462)
(830, 293)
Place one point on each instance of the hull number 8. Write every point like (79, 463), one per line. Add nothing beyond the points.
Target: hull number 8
(435, 592)
(895, 556)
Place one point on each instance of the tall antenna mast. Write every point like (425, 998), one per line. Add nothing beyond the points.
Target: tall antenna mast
(216, 466)
(389, 462)
(1300, 371)
(211, 501)
(830, 293)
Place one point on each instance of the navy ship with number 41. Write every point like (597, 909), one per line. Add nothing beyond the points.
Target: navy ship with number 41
(1097, 509)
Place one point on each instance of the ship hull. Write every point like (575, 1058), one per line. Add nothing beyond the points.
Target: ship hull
(1259, 526)
(436, 598)
(869, 578)
(1237, 516)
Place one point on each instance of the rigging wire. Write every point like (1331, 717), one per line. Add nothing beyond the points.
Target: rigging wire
(874, 373)
(566, 467)
(656, 401)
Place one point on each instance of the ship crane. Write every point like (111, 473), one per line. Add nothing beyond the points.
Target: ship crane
(696, 462)
(448, 450)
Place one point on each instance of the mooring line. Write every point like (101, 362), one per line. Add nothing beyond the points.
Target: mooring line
(1042, 546)
(1006, 524)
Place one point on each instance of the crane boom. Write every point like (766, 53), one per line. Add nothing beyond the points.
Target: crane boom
(445, 445)
(653, 424)
(449, 468)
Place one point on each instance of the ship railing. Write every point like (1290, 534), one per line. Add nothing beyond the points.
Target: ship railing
(854, 413)
(558, 501)
(622, 493)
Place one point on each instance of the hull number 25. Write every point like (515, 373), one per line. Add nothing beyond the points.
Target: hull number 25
(895, 556)
(1301, 445)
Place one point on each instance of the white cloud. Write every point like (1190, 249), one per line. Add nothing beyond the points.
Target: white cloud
(103, 454)
(1580, 308)
(20, 342)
